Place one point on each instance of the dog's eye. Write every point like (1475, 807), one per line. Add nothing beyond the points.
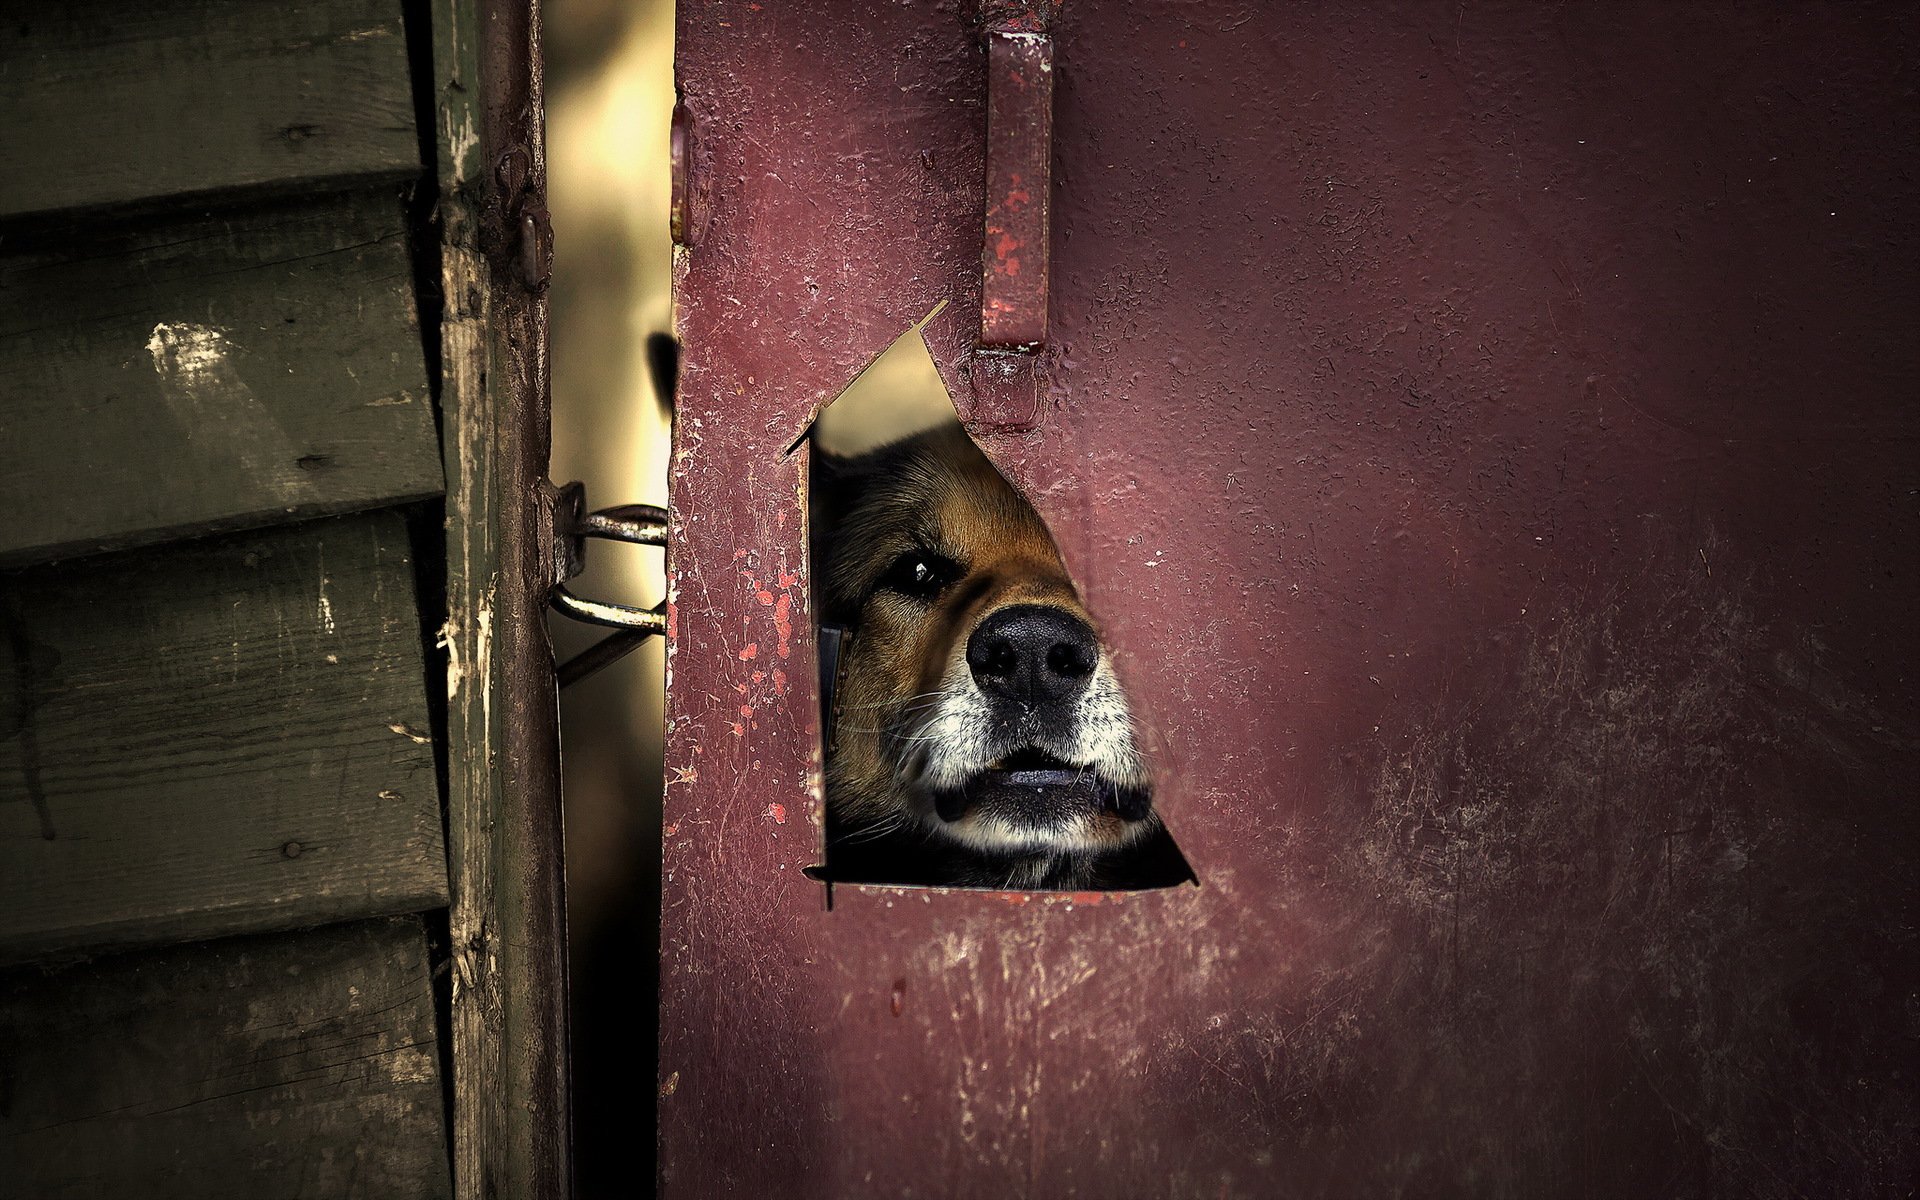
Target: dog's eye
(920, 575)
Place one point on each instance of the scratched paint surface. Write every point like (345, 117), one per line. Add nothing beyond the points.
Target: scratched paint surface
(1487, 431)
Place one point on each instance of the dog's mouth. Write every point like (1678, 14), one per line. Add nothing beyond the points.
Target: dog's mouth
(1037, 789)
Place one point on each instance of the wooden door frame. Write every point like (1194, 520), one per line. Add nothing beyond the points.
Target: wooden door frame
(510, 1114)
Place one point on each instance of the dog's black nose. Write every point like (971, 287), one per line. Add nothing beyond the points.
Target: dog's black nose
(1033, 653)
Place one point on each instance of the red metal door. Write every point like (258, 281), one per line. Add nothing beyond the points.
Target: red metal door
(1487, 432)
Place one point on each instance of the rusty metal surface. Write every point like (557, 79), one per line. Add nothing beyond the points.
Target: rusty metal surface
(1487, 433)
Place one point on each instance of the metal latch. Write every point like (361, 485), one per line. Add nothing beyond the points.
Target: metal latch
(637, 524)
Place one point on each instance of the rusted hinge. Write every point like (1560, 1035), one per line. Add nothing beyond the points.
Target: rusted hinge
(529, 227)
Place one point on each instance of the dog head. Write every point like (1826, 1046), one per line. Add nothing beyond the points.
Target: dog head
(978, 727)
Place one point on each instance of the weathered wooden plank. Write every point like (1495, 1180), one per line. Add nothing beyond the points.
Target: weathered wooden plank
(507, 920)
(290, 1065)
(126, 101)
(218, 737)
(220, 372)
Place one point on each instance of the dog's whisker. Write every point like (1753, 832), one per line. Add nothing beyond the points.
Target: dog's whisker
(907, 701)
(873, 832)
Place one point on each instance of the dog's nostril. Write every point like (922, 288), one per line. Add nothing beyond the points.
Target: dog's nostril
(1000, 660)
(1070, 659)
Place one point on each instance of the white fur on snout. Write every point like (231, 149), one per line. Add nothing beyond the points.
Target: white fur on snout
(1104, 730)
(957, 740)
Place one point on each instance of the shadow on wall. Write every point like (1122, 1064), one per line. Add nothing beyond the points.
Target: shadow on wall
(609, 104)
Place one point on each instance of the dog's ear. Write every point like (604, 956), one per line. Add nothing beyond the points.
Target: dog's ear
(837, 483)
(840, 480)
(833, 482)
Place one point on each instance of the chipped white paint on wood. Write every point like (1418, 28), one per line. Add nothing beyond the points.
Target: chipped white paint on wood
(203, 390)
(169, 379)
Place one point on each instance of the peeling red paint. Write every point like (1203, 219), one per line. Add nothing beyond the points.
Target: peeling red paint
(780, 681)
(783, 624)
(764, 597)
(749, 651)
(778, 812)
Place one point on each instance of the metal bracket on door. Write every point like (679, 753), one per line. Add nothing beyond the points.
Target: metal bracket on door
(636, 524)
(1017, 233)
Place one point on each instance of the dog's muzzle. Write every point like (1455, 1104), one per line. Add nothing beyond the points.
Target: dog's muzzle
(1035, 671)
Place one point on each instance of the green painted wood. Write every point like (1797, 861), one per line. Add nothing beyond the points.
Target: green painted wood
(113, 102)
(215, 372)
(506, 926)
(290, 1065)
(215, 737)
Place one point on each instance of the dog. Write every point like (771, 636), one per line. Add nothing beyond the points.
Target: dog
(977, 734)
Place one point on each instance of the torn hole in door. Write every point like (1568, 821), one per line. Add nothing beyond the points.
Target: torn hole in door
(977, 733)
